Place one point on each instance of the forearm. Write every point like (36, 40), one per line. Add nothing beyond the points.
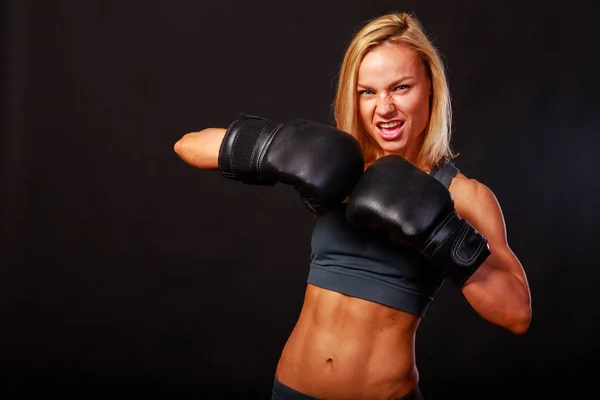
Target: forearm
(500, 297)
(201, 149)
(320, 161)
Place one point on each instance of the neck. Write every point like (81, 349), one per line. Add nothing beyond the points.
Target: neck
(410, 154)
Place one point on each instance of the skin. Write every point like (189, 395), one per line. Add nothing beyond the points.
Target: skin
(393, 87)
(348, 348)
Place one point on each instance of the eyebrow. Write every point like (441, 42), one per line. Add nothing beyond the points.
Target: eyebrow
(393, 84)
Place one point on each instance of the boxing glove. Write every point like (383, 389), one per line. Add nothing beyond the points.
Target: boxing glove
(320, 161)
(417, 210)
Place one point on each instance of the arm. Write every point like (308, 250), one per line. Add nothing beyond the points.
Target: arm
(460, 232)
(321, 162)
(201, 149)
(498, 290)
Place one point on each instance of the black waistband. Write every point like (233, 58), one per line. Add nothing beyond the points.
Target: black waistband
(283, 392)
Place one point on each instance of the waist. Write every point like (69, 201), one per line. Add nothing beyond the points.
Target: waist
(345, 343)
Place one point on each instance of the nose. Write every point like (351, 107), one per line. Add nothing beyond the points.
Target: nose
(385, 105)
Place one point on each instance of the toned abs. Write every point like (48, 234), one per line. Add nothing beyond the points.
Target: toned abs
(343, 347)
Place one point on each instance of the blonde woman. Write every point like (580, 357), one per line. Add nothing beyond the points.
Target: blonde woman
(384, 239)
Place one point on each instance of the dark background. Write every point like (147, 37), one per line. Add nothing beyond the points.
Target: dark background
(126, 272)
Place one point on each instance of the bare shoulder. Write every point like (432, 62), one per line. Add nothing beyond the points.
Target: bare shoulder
(470, 190)
(474, 200)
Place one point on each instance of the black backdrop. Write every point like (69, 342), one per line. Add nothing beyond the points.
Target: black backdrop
(125, 271)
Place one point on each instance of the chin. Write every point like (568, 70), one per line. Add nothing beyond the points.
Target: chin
(393, 148)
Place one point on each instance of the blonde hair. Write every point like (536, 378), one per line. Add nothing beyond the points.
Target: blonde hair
(403, 28)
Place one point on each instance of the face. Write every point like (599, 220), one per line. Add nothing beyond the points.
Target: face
(393, 98)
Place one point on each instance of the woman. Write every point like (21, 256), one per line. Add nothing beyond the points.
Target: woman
(355, 336)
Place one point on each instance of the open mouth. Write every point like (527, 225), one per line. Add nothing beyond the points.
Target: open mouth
(390, 129)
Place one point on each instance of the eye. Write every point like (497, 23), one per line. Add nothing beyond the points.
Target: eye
(402, 87)
(365, 92)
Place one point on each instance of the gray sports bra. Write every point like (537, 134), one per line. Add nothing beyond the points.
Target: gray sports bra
(366, 264)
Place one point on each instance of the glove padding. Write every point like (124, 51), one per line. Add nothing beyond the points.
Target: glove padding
(417, 210)
(320, 161)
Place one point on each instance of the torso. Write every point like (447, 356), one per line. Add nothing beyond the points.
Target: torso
(344, 347)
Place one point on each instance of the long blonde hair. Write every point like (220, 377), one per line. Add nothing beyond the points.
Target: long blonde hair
(403, 28)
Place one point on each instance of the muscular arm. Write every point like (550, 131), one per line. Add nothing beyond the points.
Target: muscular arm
(201, 149)
(498, 290)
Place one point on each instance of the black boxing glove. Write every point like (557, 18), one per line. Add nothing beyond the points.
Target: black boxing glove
(417, 210)
(320, 161)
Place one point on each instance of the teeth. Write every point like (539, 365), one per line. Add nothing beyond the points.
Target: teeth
(390, 124)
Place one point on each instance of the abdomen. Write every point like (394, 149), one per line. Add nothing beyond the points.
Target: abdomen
(344, 346)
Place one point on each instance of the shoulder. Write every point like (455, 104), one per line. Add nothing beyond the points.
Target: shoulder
(465, 188)
(473, 199)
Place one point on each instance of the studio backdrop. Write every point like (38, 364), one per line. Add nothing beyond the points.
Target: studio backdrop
(124, 270)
